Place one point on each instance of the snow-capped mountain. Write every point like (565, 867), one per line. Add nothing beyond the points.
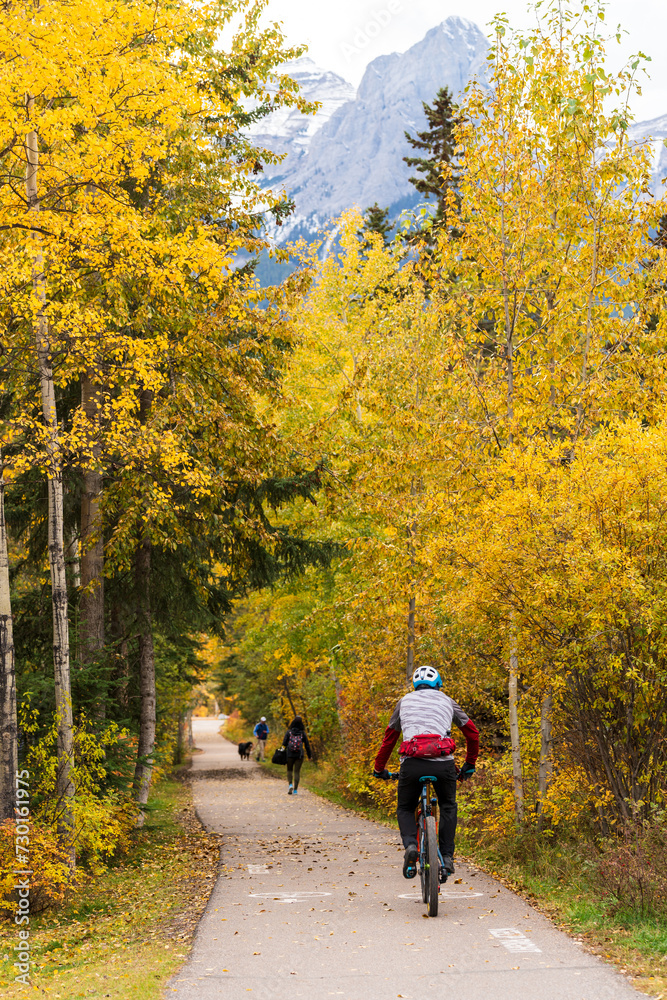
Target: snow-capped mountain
(287, 130)
(352, 152)
(656, 131)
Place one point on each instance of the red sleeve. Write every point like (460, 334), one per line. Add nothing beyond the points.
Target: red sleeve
(471, 733)
(388, 744)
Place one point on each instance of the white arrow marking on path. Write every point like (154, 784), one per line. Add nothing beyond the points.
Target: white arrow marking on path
(297, 896)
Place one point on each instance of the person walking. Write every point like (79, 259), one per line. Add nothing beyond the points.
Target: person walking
(425, 717)
(295, 742)
(261, 732)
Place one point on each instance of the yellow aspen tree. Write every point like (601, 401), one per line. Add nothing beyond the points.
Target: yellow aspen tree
(130, 187)
(540, 350)
(552, 227)
(362, 386)
(61, 644)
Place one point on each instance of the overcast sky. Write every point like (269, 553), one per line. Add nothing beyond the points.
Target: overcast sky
(344, 35)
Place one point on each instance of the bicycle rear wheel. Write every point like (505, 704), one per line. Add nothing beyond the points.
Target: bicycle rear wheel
(431, 873)
(423, 859)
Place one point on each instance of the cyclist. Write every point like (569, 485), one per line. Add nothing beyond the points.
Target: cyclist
(425, 716)
(261, 731)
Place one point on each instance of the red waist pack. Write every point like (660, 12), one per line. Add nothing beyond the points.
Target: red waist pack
(427, 745)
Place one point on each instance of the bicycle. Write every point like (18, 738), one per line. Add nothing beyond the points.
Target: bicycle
(432, 872)
(431, 867)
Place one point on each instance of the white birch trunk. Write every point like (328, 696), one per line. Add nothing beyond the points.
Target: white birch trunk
(178, 756)
(515, 741)
(412, 606)
(8, 719)
(57, 563)
(340, 701)
(148, 711)
(410, 661)
(545, 768)
(73, 560)
(91, 604)
(147, 724)
(121, 672)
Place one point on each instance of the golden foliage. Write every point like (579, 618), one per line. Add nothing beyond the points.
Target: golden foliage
(493, 416)
(50, 878)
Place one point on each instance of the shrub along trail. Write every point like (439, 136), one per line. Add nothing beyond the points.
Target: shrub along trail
(311, 902)
(124, 932)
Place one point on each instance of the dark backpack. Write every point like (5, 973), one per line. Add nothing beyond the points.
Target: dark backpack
(295, 743)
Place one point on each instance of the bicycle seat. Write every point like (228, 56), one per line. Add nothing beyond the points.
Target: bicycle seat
(428, 777)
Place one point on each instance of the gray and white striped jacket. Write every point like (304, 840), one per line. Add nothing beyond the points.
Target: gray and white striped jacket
(427, 711)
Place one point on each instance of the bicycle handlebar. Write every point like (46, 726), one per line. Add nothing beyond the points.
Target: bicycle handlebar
(394, 776)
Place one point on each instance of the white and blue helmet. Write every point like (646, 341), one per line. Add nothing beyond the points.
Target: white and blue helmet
(426, 677)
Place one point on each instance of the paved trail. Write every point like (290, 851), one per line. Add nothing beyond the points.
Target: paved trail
(312, 903)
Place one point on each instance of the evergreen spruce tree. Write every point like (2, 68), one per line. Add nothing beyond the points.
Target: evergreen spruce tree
(376, 220)
(436, 145)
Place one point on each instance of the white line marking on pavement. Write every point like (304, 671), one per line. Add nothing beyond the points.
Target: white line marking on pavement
(514, 940)
(298, 896)
(459, 895)
(258, 869)
(443, 895)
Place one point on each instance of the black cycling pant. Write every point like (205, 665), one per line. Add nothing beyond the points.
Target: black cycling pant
(294, 763)
(409, 790)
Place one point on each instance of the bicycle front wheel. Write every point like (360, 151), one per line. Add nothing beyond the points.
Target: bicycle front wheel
(431, 872)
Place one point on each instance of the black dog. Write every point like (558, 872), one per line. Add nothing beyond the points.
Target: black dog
(244, 750)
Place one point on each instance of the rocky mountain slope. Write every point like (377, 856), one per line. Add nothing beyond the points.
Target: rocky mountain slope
(656, 131)
(287, 130)
(351, 152)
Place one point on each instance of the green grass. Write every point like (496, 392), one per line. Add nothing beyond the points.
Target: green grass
(559, 878)
(123, 934)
